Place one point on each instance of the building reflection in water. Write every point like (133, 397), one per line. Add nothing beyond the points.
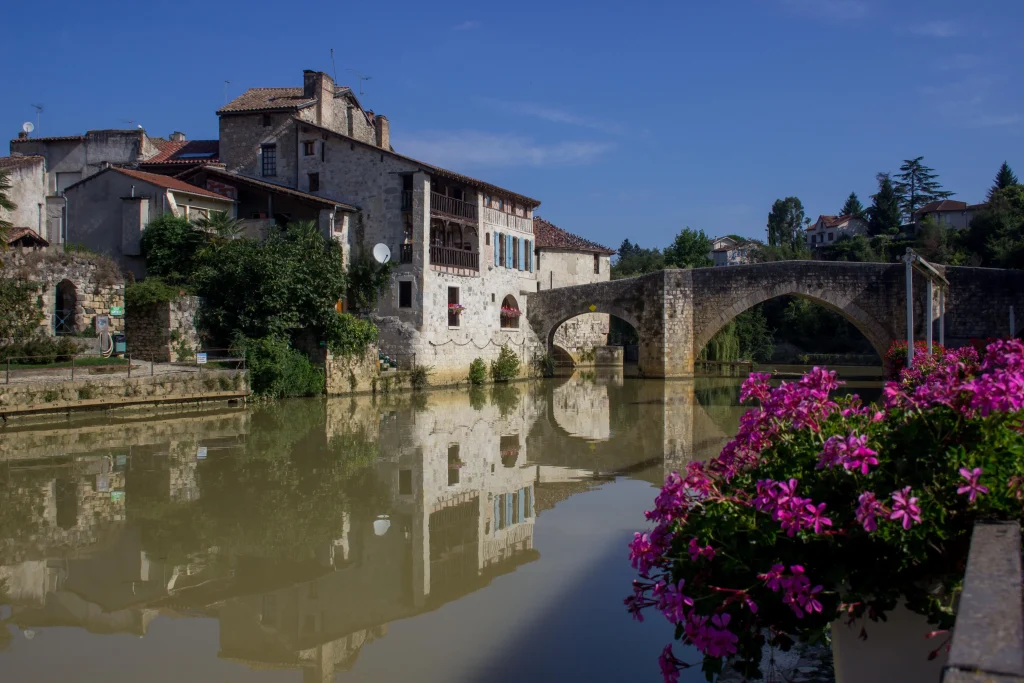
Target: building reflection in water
(307, 527)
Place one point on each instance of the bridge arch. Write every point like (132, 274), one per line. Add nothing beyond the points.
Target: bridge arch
(836, 300)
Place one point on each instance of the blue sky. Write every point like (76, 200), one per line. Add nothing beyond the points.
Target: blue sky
(626, 119)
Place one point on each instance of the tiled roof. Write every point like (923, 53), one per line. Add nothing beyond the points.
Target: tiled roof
(164, 181)
(267, 99)
(444, 173)
(836, 221)
(14, 162)
(944, 205)
(58, 138)
(185, 152)
(30, 235)
(255, 182)
(553, 237)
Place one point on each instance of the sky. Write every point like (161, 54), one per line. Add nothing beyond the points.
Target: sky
(626, 119)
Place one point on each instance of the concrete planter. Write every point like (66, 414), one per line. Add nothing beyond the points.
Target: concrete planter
(895, 650)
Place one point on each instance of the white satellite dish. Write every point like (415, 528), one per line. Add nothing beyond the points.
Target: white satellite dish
(381, 525)
(27, 127)
(382, 253)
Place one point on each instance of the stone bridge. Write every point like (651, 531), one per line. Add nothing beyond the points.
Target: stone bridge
(676, 312)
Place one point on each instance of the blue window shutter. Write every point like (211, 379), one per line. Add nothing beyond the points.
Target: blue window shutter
(529, 254)
(508, 251)
(529, 504)
(497, 249)
(522, 254)
(522, 504)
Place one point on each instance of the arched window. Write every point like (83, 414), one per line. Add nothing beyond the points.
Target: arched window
(64, 308)
(510, 312)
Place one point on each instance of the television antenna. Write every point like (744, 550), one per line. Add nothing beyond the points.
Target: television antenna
(334, 68)
(39, 110)
(361, 77)
(226, 84)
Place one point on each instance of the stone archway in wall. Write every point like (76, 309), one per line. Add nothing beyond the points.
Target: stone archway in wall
(65, 307)
(873, 330)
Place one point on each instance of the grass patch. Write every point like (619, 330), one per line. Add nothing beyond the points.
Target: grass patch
(90, 362)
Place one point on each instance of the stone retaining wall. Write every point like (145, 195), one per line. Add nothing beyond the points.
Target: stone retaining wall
(350, 375)
(165, 333)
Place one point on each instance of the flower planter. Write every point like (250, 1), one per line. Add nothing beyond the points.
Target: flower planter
(895, 649)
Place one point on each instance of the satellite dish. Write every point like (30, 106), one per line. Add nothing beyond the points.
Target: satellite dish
(382, 253)
(28, 127)
(381, 525)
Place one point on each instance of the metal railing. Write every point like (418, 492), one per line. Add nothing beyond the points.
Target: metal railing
(77, 367)
(449, 206)
(456, 258)
(405, 253)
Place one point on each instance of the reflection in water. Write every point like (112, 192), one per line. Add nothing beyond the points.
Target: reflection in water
(307, 529)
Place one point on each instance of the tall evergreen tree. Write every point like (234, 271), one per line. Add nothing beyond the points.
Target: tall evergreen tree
(6, 204)
(1004, 179)
(852, 207)
(785, 223)
(884, 213)
(916, 185)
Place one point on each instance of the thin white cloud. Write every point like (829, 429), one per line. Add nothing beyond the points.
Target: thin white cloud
(467, 25)
(553, 114)
(463, 149)
(936, 29)
(970, 103)
(833, 10)
(960, 62)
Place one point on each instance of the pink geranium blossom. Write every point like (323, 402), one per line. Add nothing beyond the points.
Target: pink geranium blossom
(905, 508)
(973, 488)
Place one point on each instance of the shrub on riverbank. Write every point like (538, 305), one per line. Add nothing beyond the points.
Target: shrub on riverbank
(477, 371)
(506, 366)
(278, 371)
(821, 508)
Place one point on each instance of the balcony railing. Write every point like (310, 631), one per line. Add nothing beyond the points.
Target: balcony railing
(449, 206)
(405, 253)
(455, 258)
(507, 220)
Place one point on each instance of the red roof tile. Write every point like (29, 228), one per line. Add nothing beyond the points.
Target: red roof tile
(58, 138)
(267, 99)
(185, 152)
(233, 177)
(553, 237)
(167, 182)
(26, 235)
(14, 162)
(944, 205)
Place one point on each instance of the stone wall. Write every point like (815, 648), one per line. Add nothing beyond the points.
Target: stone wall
(349, 375)
(27, 177)
(95, 280)
(164, 333)
(20, 397)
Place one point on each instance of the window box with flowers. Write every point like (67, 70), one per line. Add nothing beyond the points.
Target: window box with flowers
(510, 313)
(828, 516)
(454, 311)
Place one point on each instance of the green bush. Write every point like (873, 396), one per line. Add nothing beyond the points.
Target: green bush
(170, 245)
(546, 365)
(419, 378)
(348, 335)
(276, 370)
(152, 290)
(41, 350)
(506, 367)
(477, 371)
(19, 301)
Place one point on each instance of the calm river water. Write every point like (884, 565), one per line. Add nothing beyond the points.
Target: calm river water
(446, 536)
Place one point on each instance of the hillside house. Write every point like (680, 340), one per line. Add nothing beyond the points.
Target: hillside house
(827, 229)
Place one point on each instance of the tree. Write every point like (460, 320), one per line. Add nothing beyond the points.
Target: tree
(1004, 179)
(884, 213)
(996, 235)
(916, 185)
(171, 245)
(6, 204)
(852, 207)
(632, 260)
(690, 249)
(785, 223)
(854, 248)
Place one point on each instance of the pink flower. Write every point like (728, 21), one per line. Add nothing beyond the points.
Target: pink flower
(721, 641)
(773, 577)
(668, 664)
(697, 552)
(815, 518)
(867, 510)
(672, 602)
(905, 508)
(973, 488)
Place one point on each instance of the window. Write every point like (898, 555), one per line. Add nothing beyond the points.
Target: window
(454, 463)
(307, 148)
(597, 264)
(515, 253)
(405, 294)
(501, 204)
(487, 200)
(831, 236)
(323, 151)
(501, 249)
(453, 307)
(405, 482)
(269, 154)
(314, 182)
(487, 239)
(509, 314)
(538, 261)
(266, 120)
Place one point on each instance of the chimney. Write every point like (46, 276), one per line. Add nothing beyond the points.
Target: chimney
(22, 135)
(177, 136)
(309, 84)
(383, 130)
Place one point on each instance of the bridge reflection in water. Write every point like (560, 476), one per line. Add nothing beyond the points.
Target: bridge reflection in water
(306, 528)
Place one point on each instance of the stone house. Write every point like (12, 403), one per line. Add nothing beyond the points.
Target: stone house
(565, 259)
(108, 211)
(729, 251)
(70, 158)
(464, 248)
(827, 229)
(948, 213)
(27, 177)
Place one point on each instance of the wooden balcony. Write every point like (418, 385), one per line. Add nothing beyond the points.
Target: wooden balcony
(454, 258)
(501, 219)
(449, 206)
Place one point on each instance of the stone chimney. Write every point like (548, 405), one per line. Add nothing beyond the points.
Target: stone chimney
(22, 135)
(383, 130)
(309, 84)
(177, 136)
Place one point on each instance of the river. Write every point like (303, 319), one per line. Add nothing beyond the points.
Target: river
(440, 536)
